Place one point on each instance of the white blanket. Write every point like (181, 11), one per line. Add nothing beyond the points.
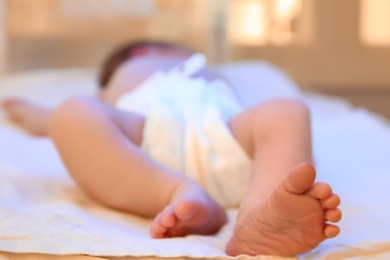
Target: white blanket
(42, 211)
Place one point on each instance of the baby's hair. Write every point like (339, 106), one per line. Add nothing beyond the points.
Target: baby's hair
(127, 52)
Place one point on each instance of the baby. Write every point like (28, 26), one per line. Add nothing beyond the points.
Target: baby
(33, 118)
(257, 159)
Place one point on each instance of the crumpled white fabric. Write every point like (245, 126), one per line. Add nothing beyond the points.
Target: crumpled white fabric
(186, 130)
(42, 210)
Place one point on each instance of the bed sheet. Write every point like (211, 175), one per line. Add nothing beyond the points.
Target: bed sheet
(44, 216)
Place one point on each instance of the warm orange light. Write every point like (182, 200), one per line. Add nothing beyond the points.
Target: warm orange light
(260, 22)
(375, 22)
(287, 9)
(248, 22)
(3, 39)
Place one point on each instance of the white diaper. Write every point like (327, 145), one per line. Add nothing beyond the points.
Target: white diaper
(186, 129)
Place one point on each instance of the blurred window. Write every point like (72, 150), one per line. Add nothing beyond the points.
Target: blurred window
(374, 26)
(269, 22)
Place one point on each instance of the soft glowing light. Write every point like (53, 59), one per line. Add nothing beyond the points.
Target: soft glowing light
(286, 9)
(259, 22)
(248, 22)
(375, 22)
(252, 25)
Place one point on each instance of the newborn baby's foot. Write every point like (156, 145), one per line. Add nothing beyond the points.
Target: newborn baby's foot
(191, 211)
(29, 117)
(292, 220)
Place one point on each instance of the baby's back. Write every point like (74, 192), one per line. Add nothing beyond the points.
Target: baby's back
(129, 75)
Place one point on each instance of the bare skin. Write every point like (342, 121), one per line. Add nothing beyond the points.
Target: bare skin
(116, 156)
(191, 211)
(295, 214)
(290, 221)
(282, 214)
(178, 205)
(33, 119)
(29, 117)
(284, 211)
(184, 215)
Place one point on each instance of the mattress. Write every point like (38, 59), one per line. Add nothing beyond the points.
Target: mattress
(43, 215)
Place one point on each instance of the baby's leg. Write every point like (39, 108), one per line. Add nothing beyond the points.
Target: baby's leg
(28, 116)
(99, 146)
(283, 212)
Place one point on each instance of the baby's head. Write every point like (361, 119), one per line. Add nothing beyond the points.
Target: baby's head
(135, 50)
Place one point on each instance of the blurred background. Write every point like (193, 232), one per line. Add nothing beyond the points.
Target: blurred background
(328, 46)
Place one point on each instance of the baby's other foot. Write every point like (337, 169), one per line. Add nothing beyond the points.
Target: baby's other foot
(28, 116)
(292, 220)
(191, 211)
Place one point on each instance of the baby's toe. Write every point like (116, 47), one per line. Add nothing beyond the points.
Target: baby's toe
(331, 231)
(333, 215)
(168, 218)
(320, 191)
(332, 202)
(157, 230)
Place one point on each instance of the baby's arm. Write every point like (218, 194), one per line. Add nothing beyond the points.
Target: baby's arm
(28, 116)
